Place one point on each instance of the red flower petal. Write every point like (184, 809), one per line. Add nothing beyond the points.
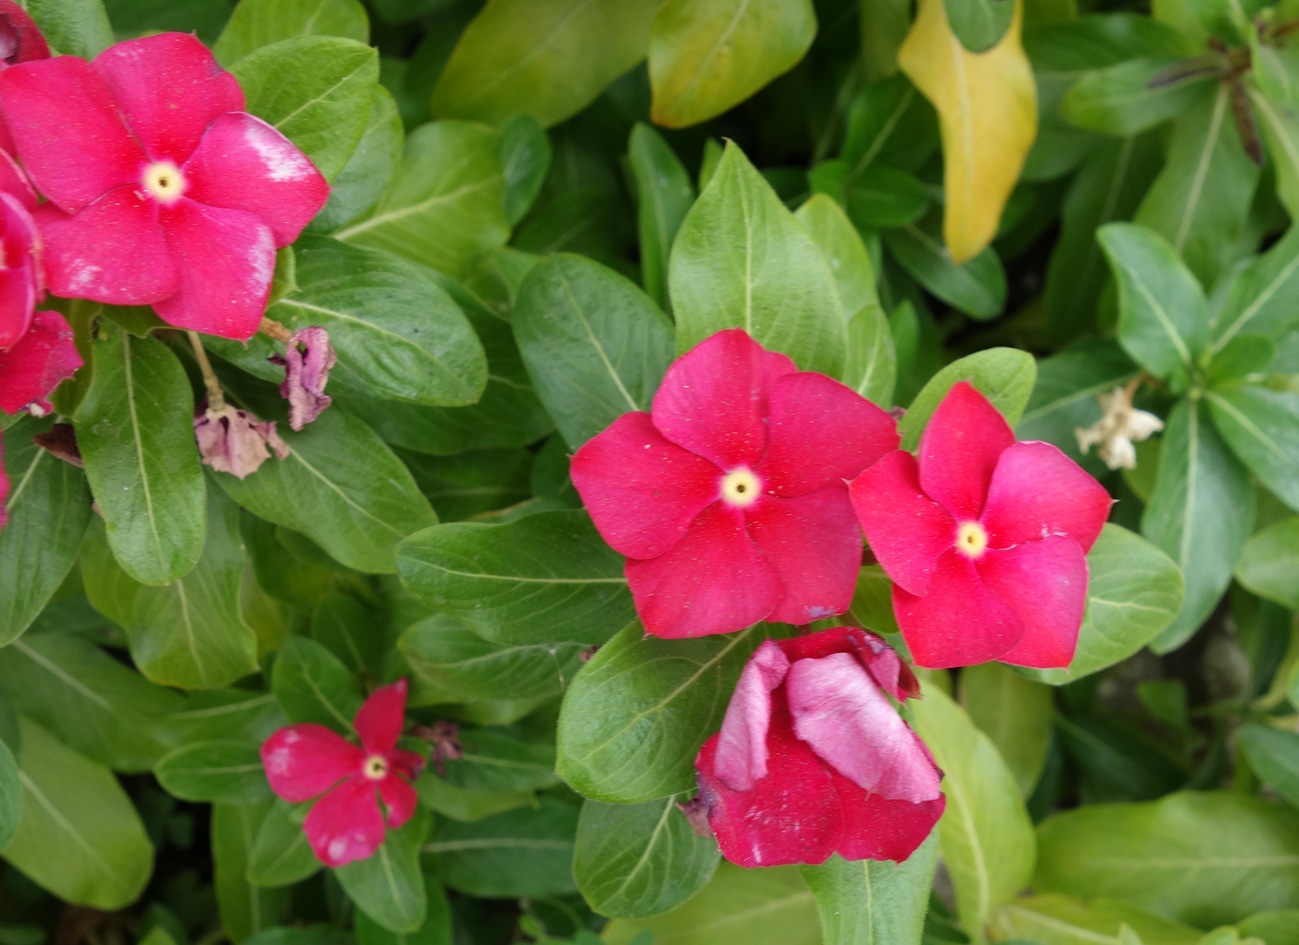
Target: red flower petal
(714, 580)
(242, 163)
(20, 273)
(38, 363)
(959, 622)
(303, 761)
(20, 38)
(642, 490)
(842, 713)
(959, 450)
(406, 762)
(814, 545)
(226, 259)
(880, 660)
(741, 755)
(14, 182)
(400, 799)
(1045, 583)
(346, 824)
(67, 130)
(169, 88)
(1038, 491)
(877, 828)
(713, 399)
(380, 719)
(819, 433)
(113, 251)
(906, 530)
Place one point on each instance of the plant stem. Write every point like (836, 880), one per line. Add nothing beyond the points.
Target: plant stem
(216, 398)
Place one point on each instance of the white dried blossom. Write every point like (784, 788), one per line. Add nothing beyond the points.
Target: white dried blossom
(1120, 426)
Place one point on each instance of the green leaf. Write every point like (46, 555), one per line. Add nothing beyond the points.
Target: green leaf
(1269, 562)
(595, 345)
(312, 685)
(135, 430)
(458, 661)
(1205, 858)
(346, 627)
(889, 121)
(1278, 927)
(1064, 920)
(1242, 356)
(362, 180)
(281, 854)
(525, 160)
(664, 194)
(1280, 129)
(634, 860)
(705, 57)
(985, 836)
(1263, 298)
(73, 27)
(1262, 427)
(525, 852)
(244, 909)
(758, 907)
(11, 795)
(741, 260)
(635, 716)
(1274, 756)
(342, 488)
(1119, 100)
(976, 287)
(1015, 713)
(97, 706)
(49, 508)
(872, 902)
(388, 886)
(80, 837)
(257, 23)
(543, 579)
(445, 203)
(978, 24)
(872, 366)
(316, 91)
(224, 771)
(436, 930)
(1004, 375)
(1134, 591)
(546, 58)
(223, 713)
(1200, 514)
(494, 761)
(1163, 315)
(872, 601)
(842, 246)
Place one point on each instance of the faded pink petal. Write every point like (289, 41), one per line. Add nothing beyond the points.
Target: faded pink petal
(242, 163)
(1045, 584)
(813, 543)
(20, 269)
(959, 450)
(303, 761)
(225, 260)
(400, 798)
(308, 359)
(1038, 491)
(20, 39)
(741, 755)
(906, 530)
(41, 360)
(380, 719)
(820, 433)
(346, 824)
(713, 399)
(714, 580)
(169, 88)
(642, 490)
(234, 441)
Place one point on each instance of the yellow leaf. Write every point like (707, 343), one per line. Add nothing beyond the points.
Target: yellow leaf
(987, 109)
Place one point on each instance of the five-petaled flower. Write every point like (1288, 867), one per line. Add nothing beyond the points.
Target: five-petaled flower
(160, 189)
(984, 538)
(728, 498)
(304, 761)
(813, 758)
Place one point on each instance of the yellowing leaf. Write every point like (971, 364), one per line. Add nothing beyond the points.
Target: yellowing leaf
(987, 109)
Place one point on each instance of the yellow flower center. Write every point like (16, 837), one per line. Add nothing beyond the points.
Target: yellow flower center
(741, 488)
(375, 768)
(164, 181)
(971, 539)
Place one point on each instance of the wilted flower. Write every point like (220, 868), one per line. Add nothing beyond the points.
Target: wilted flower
(728, 498)
(307, 760)
(813, 759)
(1119, 427)
(985, 539)
(61, 440)
(307, 360)
(36, 364)
(234, 441)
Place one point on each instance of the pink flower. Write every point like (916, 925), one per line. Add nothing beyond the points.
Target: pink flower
(308, 359)
(728, 499)
(20, 254)
(161, 190)
(813, 758)
(305, 761)
(36, 364)
(985, 539)
(20, 41)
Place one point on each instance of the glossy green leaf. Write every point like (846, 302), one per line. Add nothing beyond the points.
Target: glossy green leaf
(73, 27)
(978, 24)
(525, 159)
(889, 121)
(436, 930)
(545, 58)
(257, 23)
(873, 902)
(524, 852)
(347, 628)
(850, 263)
(494, 761)
(705, 57)
(244, 909)
(225, 771)
(1280, 128)
(223, 713)
(1263, 298)
(1004, 375)
(1015, 713)
(976, 287)
(664, 194)
(1269, 562)
(1239, 358)
(543, 579)
(741, 260)
(1278, 927)
(135, 430)
(362, 180)
(1274, 756)
(388, 886)
(634, 860)
(11, 795)
(635, 716)
(1065, 920)
(1262, 428)
(1119, 100)
(313, 685)
(281, 853)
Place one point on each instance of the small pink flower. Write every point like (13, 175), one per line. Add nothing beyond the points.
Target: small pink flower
(813, 759)
(305, 761)
(21, 279)
(985, 539)
(36, 364)
(161, 190)
(728, 499)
